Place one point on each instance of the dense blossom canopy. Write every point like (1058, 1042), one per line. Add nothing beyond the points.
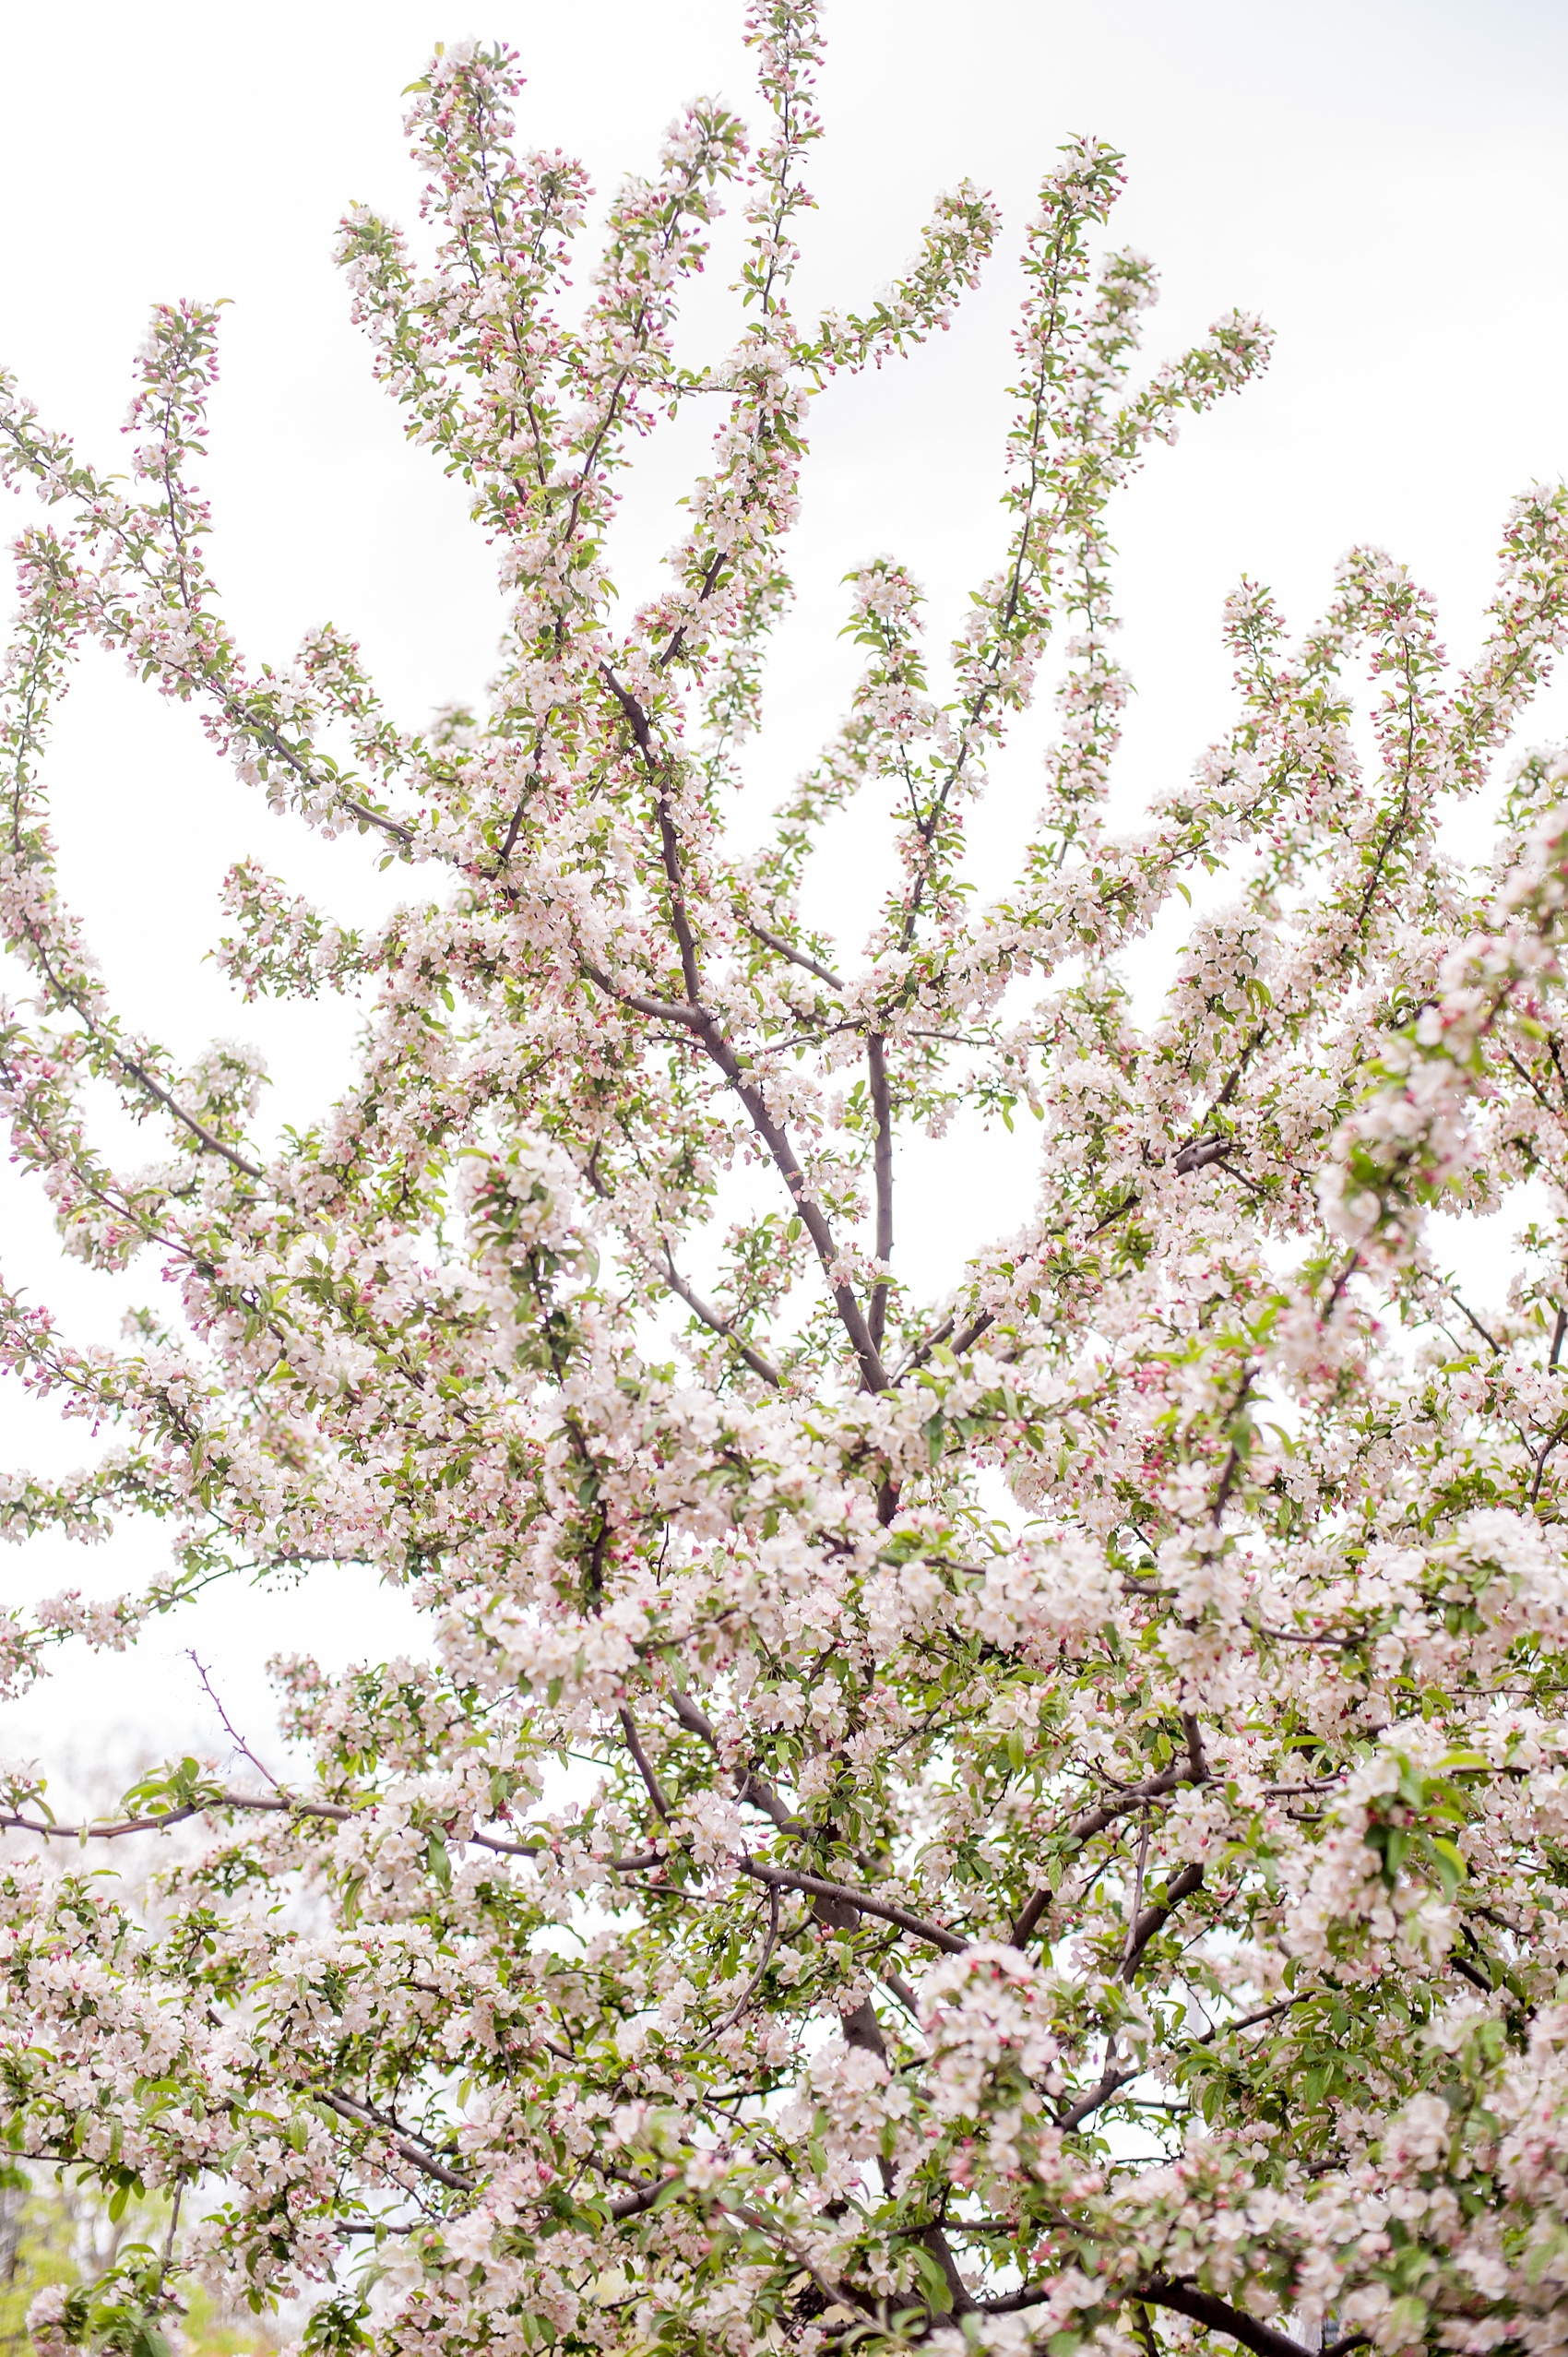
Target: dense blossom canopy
(1031, 1818)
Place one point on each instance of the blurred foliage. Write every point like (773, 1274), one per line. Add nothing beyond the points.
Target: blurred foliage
(55, 2231)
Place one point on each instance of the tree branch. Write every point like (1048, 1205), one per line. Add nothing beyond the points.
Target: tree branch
(796, 957)
(1203, 2307)
(882, 1108)
(1201, 1153)
(362, 2115)
(755, 1981)
(1217, 2315)
(1079, 2112)
(1105, 1813)
(335, 1811)
(134, 1070)
(783, 1878)
(644, 1765)
(663, 1010)
(722, 1052)
(633, 2205)
(749, 1787)
(723, 1326)
(1181, 1886)
(934, 1340)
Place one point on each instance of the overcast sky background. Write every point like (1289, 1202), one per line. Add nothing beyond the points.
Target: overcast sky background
(1387, 181)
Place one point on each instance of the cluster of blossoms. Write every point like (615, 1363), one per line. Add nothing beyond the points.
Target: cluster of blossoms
(1036, 1817)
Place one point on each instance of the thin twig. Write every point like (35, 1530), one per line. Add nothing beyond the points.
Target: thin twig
(283, 1805)
(1469, 1315)
(229, 1728)
(755, 1984)
(1136, 1909)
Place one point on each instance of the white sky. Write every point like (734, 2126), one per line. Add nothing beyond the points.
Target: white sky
(1387, 183)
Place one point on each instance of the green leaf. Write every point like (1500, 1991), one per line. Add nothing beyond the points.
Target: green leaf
(1450, 1865)
(438, 1861)
(934, 2283)
(1406, 2322)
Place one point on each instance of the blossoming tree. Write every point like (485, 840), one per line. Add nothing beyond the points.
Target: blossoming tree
(1035, 1816)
